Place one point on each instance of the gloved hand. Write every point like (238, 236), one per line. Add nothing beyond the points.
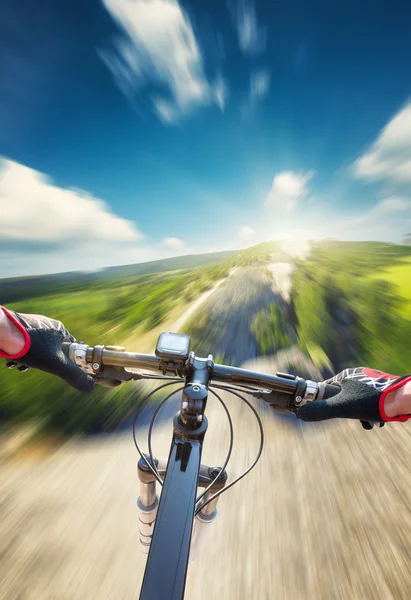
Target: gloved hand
(42, 349)
(362, 396)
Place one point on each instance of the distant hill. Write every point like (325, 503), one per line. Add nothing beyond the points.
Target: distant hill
(261, 254)
(13, 289)
(167, 264)
(358, 257)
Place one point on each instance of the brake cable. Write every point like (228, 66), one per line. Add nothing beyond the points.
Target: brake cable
(138, 411)
(260, 450)
(230, 448)
(231, 390)
(152, 420)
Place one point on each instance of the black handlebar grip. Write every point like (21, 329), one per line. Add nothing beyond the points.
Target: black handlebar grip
(322, 408)
(65, 346)
(328, 391)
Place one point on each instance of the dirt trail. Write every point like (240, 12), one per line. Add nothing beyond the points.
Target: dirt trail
(230, 313)
(185, 317)
(325, 515)
(281, 273)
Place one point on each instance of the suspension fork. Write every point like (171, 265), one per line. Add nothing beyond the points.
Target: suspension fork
(206, 515)
(148, 500)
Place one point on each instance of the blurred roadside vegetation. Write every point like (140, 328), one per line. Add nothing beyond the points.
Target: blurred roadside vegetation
(352, 300)
(350, 304)
(104, 312)
(272, 330)
(259, 255)
(103, 308)
(12, 290)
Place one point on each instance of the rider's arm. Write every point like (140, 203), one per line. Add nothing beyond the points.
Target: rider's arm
(12, 338)
(398, 402)
(36, 341)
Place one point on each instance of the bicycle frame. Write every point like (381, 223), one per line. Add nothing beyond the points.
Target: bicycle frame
(167, 563)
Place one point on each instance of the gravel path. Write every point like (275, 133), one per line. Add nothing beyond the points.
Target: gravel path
(325, 515)
(230, 313)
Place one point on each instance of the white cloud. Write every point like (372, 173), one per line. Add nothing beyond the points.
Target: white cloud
(35, 210)
(288, 189)
(159, 47)
(389, 157)
(392, 206)
(220, 92)
(259, 85)
(173, 243)
(381, 222)
(246, 234)
(251, 36)
(259, 88)
(166, 111)
(389, 220)
(391, 213)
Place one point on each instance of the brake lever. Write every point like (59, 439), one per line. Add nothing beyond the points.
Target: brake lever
(306, 391)
(368, 425)
(112, 376)
(12, 364)
(278, 401)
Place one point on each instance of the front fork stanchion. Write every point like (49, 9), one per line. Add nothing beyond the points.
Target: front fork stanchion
(147, 502)
(206, 517)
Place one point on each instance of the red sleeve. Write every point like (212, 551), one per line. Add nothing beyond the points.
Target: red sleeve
(27, 340)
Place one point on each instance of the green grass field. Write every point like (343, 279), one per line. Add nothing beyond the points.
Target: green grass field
(353, 300)
(399, 275)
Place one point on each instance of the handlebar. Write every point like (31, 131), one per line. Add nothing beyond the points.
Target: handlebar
(281, 391)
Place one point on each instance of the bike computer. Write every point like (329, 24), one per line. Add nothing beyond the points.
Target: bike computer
(173, 346)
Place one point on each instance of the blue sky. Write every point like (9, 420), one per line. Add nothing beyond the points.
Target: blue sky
(136, 129)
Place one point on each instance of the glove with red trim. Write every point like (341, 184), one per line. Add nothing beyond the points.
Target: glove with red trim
(362, 396)
(42, 349)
